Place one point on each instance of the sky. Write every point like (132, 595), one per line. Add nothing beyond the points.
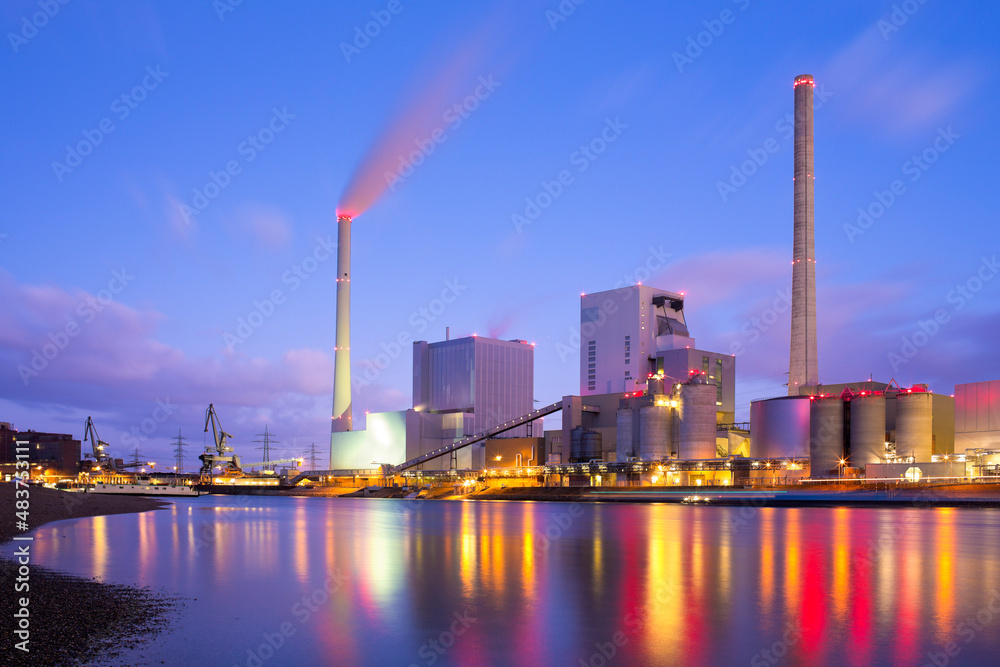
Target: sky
(172, 172)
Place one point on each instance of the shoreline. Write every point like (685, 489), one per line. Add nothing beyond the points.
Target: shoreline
(978, 496)
(64, 608)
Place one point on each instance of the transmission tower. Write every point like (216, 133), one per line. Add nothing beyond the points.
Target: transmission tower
(179, 445)
(313, 457)
(267, 441)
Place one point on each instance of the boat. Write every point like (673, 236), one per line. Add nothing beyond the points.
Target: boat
(143, 486)
(695, 500)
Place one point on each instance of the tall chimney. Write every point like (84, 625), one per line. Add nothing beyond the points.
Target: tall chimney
(802, 366)
(342, 349)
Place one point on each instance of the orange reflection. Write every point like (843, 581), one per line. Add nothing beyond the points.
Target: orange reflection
(944, 540)
(766, 560)
(100, 526)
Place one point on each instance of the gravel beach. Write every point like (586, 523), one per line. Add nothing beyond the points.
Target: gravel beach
(75, 621)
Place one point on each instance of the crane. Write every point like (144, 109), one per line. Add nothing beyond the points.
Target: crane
(105, 461)
(222, 453)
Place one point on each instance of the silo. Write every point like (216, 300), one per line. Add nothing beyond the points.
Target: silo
(914, 419)
(625, 449)
(867, 429)
(654, 432)
(779, 428)
(696, 433)
(576, 444)
(591, 441)
(826, 436)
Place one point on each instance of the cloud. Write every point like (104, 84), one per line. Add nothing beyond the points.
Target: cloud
(85, 353)
(897, 94)
(266, 225)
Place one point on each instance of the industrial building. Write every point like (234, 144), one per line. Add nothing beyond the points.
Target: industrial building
(460, 387)
(850, 426)
(977, 415)
(660, 397)
(844, 428)
(49, 454)
(630, 334)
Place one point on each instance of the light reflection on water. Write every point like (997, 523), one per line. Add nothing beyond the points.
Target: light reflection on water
(549, 583)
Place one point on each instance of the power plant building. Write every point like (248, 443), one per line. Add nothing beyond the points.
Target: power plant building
(460, 387)
(646, 392)
(630, 334)
(859, 423)
(465, 386)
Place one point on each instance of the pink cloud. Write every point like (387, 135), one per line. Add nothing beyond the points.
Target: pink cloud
(898, 95)
(111, 347)
(265, 225)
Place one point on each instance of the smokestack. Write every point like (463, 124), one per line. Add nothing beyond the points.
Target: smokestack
(802, 366)
(342, 349)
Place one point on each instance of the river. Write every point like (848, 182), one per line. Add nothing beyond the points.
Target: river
(315, 581)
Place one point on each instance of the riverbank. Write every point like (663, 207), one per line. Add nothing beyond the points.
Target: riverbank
(74, 620)
(958, 495)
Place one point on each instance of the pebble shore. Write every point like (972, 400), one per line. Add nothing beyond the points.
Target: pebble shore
(75, 621)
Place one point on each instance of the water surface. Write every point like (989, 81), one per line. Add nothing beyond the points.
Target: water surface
(390, 582)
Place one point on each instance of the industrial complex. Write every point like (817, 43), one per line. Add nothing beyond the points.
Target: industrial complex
(652, 408)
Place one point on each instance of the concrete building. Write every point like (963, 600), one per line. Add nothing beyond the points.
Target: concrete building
(977, 415)
(460, 387)
(632, 333)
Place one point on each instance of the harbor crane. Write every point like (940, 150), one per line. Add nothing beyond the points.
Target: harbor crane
(105, 461)
(222, 454)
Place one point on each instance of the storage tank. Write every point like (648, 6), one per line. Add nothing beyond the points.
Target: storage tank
(826, 436)
(625, 449)
(696, 413)
(914, 425)
(576, 444)
(779, 428)
(592, 446)
(654, 432)
(867, 430)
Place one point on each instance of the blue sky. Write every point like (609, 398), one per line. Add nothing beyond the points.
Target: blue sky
(262, 111)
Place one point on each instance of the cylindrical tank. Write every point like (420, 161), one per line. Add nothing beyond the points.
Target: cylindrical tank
(576, 444)
(654, 432)
(779, 428)
(696, 410)
(592, 446)
(624, 447)
(867, 430)
(914, 418)
(826, 436)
